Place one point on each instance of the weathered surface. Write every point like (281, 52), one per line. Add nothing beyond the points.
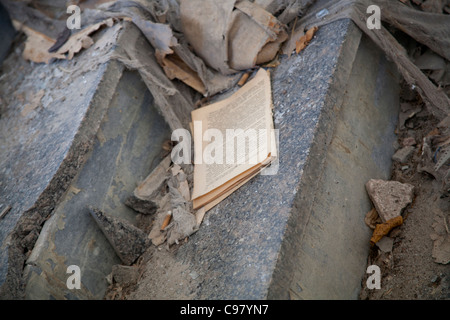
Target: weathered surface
(127, 147)
(389, 197)
(300, 233)
(128, 241)
(84, 133)
(44, 142)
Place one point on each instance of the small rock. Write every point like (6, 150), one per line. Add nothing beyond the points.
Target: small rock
(402, 155)
(193, 275)
(385, 244)
(435, 279)
(389, 197)
(128, 241)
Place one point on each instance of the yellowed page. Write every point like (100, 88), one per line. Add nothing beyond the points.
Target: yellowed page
(249, 110)
(212, 198)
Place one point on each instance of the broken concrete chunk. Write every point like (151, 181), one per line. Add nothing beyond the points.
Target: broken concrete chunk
(128, 241)
(144, 196)
(389, 197)
(146, 207)
(385, 244)
(402, 155)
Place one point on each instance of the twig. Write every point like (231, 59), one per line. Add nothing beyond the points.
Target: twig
(4, 212)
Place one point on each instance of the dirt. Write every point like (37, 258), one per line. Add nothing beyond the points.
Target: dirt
(410, 271)
(169, 280)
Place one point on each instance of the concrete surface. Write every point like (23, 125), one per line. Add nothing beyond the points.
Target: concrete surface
(127, 146)
(51, 115)
(300, 234)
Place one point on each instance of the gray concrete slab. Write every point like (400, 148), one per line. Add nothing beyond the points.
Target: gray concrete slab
(50, 115)
(297, 234)
(300, 233)
(126, 148)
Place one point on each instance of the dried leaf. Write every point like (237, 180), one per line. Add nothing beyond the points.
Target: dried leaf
(372, 218)
(383, 229)
(305, 39)
(174, 67)
(81, 39)
(37, 45)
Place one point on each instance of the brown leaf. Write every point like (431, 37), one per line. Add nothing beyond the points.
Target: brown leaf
(372, 218)
(305, 39)
(383, 229)
(37, 45)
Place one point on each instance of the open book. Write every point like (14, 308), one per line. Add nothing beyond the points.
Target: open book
(233, 141)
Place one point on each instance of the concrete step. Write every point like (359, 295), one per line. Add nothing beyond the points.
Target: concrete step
(300, 234)
(297, 234)
(73, 133)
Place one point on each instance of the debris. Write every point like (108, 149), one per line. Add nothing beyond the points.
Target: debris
(243, 79)
(4, 212)
(441, 238)
(128, 241)
(372, 218)
(61, 39)
(305, 39)
(231, 35)
(385, 244)
(184, 223)
(409, 141)
(322, 13)
(213, 185)
(166, 221)
(430, 29)
(383, 229)
(443, 157)
(175, 68)
(389, 197)
(37, 45)
(124, 275)
(290, 45)
(407, 111)
(402, 155)
(145, 196)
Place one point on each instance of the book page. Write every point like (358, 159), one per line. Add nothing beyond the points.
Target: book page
(242, 127)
